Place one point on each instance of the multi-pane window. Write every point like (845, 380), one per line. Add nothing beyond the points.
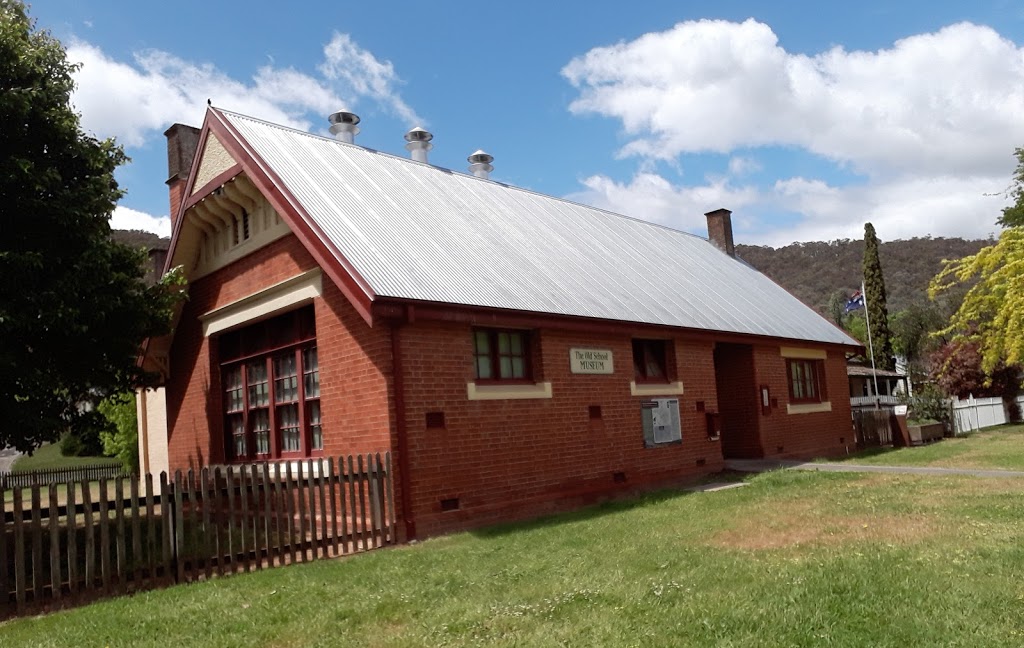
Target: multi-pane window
(806, 381)
(271, 377)
(234, 407)
(501, 355)
(258, 404)
(311, 387)
(650, 360)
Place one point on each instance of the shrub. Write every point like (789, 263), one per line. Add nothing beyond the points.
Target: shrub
(121, 435)
(929, 404)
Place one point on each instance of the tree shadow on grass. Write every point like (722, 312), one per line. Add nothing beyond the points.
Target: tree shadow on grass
(611, 504)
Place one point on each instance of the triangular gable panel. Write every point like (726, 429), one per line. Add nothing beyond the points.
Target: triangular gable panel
(230, 188)
(213, 160)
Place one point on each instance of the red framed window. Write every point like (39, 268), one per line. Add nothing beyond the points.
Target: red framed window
(806, 381)
(271, 377)
(650, 360)
(502, 355)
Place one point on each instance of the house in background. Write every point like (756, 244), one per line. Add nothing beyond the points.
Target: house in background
(518, 353)
(892, 385)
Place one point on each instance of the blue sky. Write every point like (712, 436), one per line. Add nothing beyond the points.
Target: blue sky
(805, 118)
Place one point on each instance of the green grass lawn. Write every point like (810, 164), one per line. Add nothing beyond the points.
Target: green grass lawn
(993, 448)
(793, 559)
(49, 457)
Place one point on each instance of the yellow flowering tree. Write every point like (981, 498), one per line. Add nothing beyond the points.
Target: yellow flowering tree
(992, 313)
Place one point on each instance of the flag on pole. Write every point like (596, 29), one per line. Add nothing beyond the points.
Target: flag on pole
(855, 302)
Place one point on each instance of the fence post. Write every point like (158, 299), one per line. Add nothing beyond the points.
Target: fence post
(54, 515)
(4, 589)
(179, 529)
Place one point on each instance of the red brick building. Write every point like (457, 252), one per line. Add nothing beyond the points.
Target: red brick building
(516, 352)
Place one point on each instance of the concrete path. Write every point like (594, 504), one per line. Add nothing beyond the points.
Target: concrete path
(762, 465)
(7, 458)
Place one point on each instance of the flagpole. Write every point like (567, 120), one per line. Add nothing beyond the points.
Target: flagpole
(871, 348)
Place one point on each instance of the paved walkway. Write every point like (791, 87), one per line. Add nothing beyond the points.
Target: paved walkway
(7, 458)
(761, 465)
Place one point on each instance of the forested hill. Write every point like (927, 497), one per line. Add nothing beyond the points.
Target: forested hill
(813, 271)
(139, 238)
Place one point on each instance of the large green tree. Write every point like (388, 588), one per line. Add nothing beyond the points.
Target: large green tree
(73, 308)
(875, 298)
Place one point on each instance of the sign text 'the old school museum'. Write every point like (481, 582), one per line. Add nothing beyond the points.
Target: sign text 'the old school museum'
(590, 361)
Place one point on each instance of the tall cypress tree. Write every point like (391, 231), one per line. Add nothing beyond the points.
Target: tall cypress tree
(874, 294)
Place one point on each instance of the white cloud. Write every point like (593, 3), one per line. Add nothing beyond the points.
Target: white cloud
(365, 75)
(899, 209)
(125, 218)
(943, 102)
(653, 198)
(740, 165)
(132, 100)
(927, 126)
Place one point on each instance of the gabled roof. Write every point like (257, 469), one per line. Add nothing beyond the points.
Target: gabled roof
(413, 231)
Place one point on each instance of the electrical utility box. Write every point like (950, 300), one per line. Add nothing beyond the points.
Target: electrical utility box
(661, 424)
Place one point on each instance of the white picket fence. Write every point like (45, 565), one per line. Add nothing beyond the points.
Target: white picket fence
(976, 413)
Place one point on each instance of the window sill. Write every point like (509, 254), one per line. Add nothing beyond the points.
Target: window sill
(662, 444)
(508, 392)
(656, 389)
(808, 408)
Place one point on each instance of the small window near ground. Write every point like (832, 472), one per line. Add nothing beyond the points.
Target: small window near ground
(650, 360)
(502, 355)
(806, 381)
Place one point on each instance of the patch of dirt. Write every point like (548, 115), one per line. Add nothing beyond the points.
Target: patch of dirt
(804, 523)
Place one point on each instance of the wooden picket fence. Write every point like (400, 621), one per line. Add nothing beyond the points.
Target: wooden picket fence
(80, 540)
(871, 427)
(25, 479)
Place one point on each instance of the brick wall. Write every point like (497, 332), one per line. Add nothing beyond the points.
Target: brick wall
(354, 363)
(804, 435)
(505, 459)
(502, 459)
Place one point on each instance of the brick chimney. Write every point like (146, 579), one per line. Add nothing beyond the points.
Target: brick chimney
(182, 142)
(720, 230)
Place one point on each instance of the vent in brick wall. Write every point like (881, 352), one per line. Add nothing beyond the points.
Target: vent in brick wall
(450, 504)
(778, 449)
(842, 440)
(700, 406)
(435, 419)
(619, 477)
(594, 411)
(701, 462)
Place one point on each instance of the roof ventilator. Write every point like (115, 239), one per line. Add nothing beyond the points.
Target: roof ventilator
(419, 143)
(343, 126)
(480, 164)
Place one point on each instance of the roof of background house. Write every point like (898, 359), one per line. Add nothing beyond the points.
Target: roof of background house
(861, 370)
(420, 232)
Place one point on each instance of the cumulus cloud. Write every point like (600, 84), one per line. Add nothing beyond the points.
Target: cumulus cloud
(344, 60)
(806, 209)
(651, 197)
(943, 102)
(925, 128)
(740, 165)
(125, 218)
(132, 100)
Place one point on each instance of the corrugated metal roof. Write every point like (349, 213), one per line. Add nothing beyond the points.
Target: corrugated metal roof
(417, 231)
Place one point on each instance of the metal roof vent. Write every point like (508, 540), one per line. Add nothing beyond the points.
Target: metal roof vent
(480, 164)
(419, 143)
(343, 126)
